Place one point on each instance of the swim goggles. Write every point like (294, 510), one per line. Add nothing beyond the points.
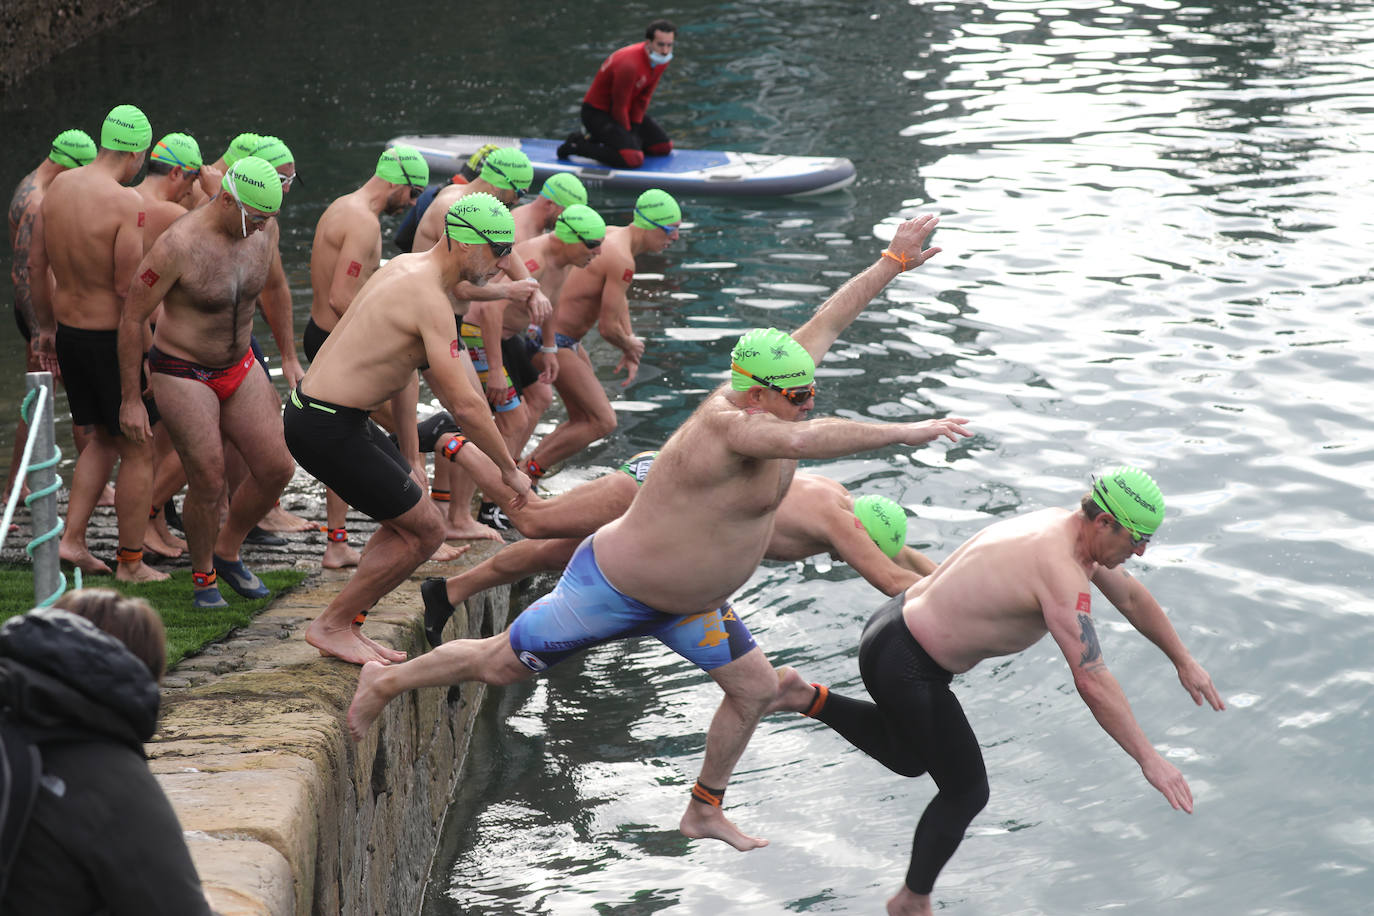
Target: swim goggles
(500, 249)
(795, 396)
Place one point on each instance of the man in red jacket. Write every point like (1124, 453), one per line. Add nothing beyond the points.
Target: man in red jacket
(615, 109)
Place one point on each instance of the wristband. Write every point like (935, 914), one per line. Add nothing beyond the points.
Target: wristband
(451, 448)
(901, 259)
(548, 349)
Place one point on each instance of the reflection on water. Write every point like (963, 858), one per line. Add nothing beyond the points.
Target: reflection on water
(1155, 249)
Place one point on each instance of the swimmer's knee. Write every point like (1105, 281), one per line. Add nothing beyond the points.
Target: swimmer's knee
(632, 158)
(604, 424)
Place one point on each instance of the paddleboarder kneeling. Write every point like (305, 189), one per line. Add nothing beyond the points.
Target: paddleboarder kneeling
(615, 110)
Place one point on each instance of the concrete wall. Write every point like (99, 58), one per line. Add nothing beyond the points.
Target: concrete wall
(32, 32)
(284, 814)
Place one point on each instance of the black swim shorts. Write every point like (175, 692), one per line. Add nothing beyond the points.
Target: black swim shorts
(347, 452)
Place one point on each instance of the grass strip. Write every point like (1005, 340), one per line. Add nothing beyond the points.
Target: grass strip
(188, 630)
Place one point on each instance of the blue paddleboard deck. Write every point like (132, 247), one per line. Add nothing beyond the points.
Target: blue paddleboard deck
(683, 171)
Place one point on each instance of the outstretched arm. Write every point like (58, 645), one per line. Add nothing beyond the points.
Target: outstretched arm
(759, 434)
(905, 252)
(1138, 606)
(851, 543)
(1070, 622)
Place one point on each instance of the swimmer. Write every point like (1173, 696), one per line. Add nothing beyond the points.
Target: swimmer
(207, 270)
(817, 516)
(575, 242)
(997, 594)
(174, 167)
(504, 173)
(69, 150)
(693, 535)
(560, 191)
(400, 318)
(598, 295)
(277, 310)
(347, 250)
(93, 240)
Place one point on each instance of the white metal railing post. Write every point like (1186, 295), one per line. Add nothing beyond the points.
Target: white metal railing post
(48, 581)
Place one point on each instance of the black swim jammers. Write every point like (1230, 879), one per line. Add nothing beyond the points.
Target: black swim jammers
(347, 452)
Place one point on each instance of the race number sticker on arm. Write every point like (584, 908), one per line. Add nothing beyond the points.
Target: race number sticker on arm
(629, 275)
(354, 268)
(142, 218)
(149, 278)
(1085, 602)
(531, 265)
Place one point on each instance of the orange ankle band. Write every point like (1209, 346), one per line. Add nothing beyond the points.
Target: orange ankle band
(338, 535)
(439, 496)
(203, 580)
(817, 704)
(358, 621)
(125, 555)
(707, 795)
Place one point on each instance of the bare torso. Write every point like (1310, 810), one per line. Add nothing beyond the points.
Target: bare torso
(800, 529)
(160, 214)
(349, 224)
(700, 524)
(986, 599)
(376, 346)
(579, 303)
(89, 219)
(207, 315)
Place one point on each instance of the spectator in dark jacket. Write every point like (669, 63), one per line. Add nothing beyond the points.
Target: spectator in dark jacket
(83, 684)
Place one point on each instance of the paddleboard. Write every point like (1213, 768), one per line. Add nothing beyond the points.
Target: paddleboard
(683, 171)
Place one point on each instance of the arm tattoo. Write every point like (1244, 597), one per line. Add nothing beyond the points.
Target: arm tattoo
(1092, 652)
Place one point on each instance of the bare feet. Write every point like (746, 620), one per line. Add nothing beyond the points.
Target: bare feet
(467, 528)
(338, 554)
(278, 519)
(342, 644)
(794, 693)
(159, 539)
(448, 552)
(106, 496)
(907, 902)
(82, 559)
(387, 653)
(139, 572)
(369, 699)
(703, 822)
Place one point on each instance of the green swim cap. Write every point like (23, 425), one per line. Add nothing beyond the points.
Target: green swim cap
(637, 465)
(770, 356)
(1130, 496)
(240, 146)
(274, 151)
(884, 520)
(254, 183)
(73, 148)
(658, 206)
(564, 189)
(507, 168)
(481, 212)
(178, 149)
(579, 223)
(126, 129)
(403, 165)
